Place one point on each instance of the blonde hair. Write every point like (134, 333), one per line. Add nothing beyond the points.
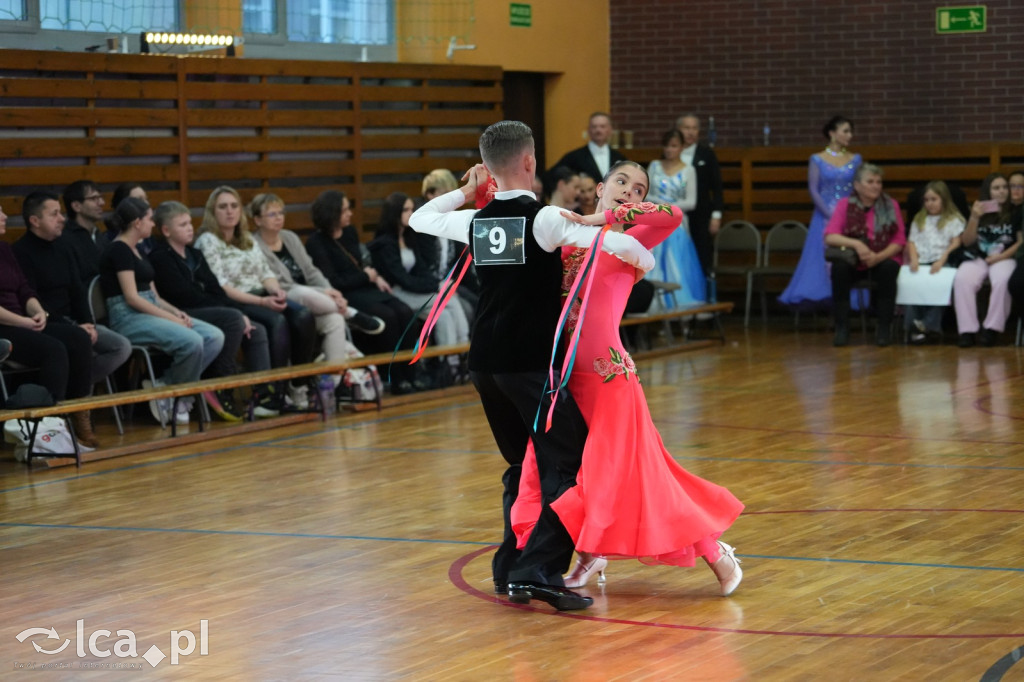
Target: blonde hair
(241, 239)
(261, 201)
(441, 180)
(949, 209)
(165, 213)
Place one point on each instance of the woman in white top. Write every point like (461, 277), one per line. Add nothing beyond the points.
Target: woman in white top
(247, 278)
(934, 235)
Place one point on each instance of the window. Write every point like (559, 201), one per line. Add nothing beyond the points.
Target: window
(119, 16)
(350, 22)
(12, 10)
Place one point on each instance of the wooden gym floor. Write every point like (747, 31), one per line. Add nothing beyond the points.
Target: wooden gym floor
(881, 540)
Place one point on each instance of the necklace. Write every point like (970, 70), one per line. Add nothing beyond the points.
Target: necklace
(832, 152)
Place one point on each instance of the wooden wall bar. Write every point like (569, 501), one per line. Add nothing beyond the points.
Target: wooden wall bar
(184, 125)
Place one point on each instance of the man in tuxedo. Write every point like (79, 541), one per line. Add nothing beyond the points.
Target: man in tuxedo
(597, 156)
(520, 303)
(706, 217)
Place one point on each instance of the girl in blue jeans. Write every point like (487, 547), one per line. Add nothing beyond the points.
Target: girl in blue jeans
(137, 311)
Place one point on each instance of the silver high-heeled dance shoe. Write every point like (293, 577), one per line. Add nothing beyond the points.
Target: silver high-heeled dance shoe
(582, 571)
(727, 569)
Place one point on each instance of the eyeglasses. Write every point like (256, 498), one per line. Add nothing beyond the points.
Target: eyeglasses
(93, 197)
(273, 214)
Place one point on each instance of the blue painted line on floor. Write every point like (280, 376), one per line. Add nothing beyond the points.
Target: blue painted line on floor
(250, 533)
(371, 538)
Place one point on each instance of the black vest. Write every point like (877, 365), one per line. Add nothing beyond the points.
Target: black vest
(519, 304)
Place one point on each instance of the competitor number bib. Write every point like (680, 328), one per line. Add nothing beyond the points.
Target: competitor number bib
(499, 241)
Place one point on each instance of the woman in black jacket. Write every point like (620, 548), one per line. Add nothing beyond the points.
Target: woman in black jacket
(409, 261)
(334, 248)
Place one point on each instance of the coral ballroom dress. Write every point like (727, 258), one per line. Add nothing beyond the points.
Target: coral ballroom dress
(631, 499)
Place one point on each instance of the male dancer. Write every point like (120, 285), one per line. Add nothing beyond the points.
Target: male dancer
(515, 242)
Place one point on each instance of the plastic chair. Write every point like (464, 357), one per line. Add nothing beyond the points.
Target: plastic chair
(787, 236)
(741, 240)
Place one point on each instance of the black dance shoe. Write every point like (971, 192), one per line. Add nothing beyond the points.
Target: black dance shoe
(965, 340)
(562, 598)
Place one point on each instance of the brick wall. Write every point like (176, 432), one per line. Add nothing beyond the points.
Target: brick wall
(795, 63)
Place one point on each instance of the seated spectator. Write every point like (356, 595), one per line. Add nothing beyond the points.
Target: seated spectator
(304, 283)
(334, 248)
(915, 200)
(1016, 181)
(991, 239)
(934, 236)
(435, 183)
(588, 195)
(83, 203)
(52, 273)
(247, 278)
(563, 188)
(411, 267)
(121, 192)
(185, 280)
(61, 352)
(137, 311)
(870, 223)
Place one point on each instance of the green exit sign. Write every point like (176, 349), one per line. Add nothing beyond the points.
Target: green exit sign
(520, 14)
(973, 19)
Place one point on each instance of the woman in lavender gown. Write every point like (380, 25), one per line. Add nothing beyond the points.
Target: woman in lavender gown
(829, 179)
(675, 182)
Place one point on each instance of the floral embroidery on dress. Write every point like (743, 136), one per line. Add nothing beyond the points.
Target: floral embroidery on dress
(619, 364)
(625, 213)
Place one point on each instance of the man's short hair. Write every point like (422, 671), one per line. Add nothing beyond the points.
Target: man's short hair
(33, 205)
(600, 113)
(503, 142)
(76, 191)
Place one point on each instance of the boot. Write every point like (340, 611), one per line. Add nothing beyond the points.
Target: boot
(841, 312)
(83, 429)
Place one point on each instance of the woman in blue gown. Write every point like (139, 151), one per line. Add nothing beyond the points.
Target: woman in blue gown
(675, 182)
(829, 179)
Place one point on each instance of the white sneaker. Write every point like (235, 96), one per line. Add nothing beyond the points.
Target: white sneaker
(298, 396)
(181, 418)
(160, 409)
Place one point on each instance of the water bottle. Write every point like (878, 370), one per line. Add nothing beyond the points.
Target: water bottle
(712, 133)
(325, 392)
(712, 289)
(767, 134)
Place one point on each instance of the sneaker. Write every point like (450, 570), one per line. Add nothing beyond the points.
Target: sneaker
(221, 404)
(965, 340)
(160, 409)
(181, 418)
(367, 324)
(268, 405)
(298, 397)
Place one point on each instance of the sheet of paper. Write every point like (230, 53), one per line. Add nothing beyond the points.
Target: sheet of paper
(924, 288)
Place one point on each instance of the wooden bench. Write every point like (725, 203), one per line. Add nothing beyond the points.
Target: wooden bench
(178, 391)
(682, 313)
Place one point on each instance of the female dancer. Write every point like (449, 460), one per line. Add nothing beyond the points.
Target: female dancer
(675, 182)
(829, 179)
(631, 499)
